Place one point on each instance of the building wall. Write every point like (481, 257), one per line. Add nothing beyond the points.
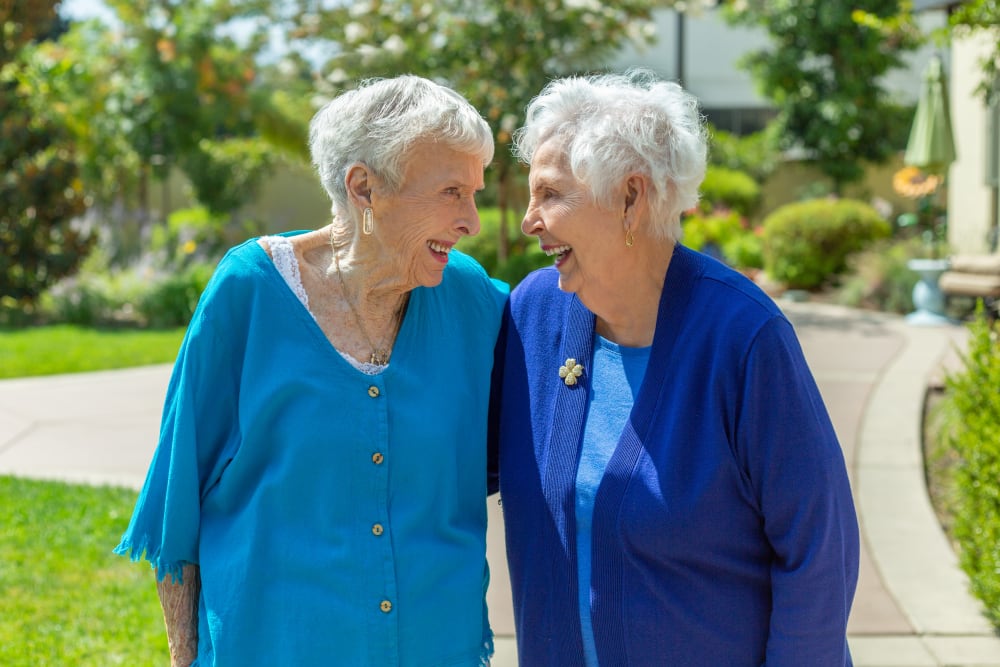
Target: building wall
(972, 204)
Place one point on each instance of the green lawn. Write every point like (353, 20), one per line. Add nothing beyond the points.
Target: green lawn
(65, 598)
(72, 349)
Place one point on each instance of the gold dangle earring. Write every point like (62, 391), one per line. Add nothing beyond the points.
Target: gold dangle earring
(629, 239)
(368, 222)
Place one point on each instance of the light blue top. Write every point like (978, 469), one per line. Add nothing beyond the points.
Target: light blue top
(617, 374)
(336, 517)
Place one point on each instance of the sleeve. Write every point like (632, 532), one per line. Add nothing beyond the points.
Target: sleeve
(799, 478)
(198, 425)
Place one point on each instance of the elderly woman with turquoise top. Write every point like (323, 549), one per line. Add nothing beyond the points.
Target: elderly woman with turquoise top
(673, 490)
(318, 493)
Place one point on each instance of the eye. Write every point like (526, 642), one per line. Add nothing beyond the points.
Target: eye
(453, 192)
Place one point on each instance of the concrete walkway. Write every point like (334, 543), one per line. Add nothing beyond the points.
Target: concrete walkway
(912, 607)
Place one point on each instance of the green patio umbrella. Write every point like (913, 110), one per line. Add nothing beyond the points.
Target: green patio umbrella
(931, 146)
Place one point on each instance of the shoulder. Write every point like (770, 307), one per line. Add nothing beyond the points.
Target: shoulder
(722, 293)
(464, 278)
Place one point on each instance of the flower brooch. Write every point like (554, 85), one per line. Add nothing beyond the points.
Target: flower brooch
(570, 371)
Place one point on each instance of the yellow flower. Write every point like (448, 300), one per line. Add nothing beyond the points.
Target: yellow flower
(913, 183)
(570, 371)
(189, 247)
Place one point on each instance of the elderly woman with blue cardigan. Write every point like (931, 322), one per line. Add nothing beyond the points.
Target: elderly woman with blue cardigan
(672, 487)
(317, 496)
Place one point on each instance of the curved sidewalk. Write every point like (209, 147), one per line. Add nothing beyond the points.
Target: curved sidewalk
(912, 607)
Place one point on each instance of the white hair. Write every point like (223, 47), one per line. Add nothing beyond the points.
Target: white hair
(615, 125)
(378, 123)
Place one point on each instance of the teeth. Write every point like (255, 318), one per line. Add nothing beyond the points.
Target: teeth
(558, 250)
(438, 247)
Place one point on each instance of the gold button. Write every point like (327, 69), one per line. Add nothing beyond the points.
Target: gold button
(386, 606)
(377, 529)
(373, 391)
(377, 458)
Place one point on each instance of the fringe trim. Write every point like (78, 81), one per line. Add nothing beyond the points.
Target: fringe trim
(137, 551)
(487, 652)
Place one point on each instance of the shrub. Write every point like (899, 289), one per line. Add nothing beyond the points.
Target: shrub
(709, 232)
(806, 244)
(729, 188)
(171, 301)
(975, 438)
(879, 278)
(745, 251)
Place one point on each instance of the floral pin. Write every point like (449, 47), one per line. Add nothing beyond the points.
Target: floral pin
(570, 371)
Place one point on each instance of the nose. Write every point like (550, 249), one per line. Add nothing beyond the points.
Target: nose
(531, 224)
(469, 223)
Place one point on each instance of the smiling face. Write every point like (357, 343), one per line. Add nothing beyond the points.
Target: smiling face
(434, 207)
(585, 238)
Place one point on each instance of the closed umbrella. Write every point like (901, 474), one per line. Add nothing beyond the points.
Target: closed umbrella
(931, 146)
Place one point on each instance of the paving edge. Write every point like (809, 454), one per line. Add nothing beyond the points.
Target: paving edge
(907, 544)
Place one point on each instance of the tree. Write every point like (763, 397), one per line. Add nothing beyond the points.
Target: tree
(40, 191)
(824, 73)
(497, 54)
(167, 87)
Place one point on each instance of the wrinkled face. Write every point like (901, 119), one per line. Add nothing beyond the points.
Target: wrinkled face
(434, 207)
(585, 238)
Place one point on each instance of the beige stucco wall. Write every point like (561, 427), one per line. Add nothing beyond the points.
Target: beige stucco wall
(971, 204)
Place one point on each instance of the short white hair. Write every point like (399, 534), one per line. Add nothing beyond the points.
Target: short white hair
(614, 125)
(378, 123)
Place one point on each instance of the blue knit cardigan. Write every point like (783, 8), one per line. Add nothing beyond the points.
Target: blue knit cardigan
(724, 531)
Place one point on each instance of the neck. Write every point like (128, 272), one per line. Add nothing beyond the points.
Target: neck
(626, 313)
(372, 281)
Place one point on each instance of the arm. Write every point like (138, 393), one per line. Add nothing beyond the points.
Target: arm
(179, 600)
(798, 468)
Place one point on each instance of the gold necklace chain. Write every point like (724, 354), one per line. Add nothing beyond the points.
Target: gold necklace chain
(379, 356)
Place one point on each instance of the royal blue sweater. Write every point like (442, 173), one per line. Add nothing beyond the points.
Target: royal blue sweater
(724, 531)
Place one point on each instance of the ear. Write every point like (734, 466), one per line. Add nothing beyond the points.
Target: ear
(360, 183)
(635, 196)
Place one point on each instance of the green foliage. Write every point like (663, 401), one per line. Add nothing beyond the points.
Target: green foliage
(51, 350)
(714, 228)
(40, 191)
(172, 300)
(824, 72)
(975, 437)
(878, 277)
(806, 244)
(729, 188)
(756, 154)
(226, 174)
(65, 599)
(746, 250)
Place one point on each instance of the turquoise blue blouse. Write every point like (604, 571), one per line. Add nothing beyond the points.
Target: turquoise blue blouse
(336, 517)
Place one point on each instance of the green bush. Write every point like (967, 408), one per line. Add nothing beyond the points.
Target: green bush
(729, 188)
(879, 279)
(806, 244)
(702, 231)
(745, 251)
(171, 301)
(975, 438)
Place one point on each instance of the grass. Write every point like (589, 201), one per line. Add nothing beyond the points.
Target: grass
(65, 598)
(71, 349)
